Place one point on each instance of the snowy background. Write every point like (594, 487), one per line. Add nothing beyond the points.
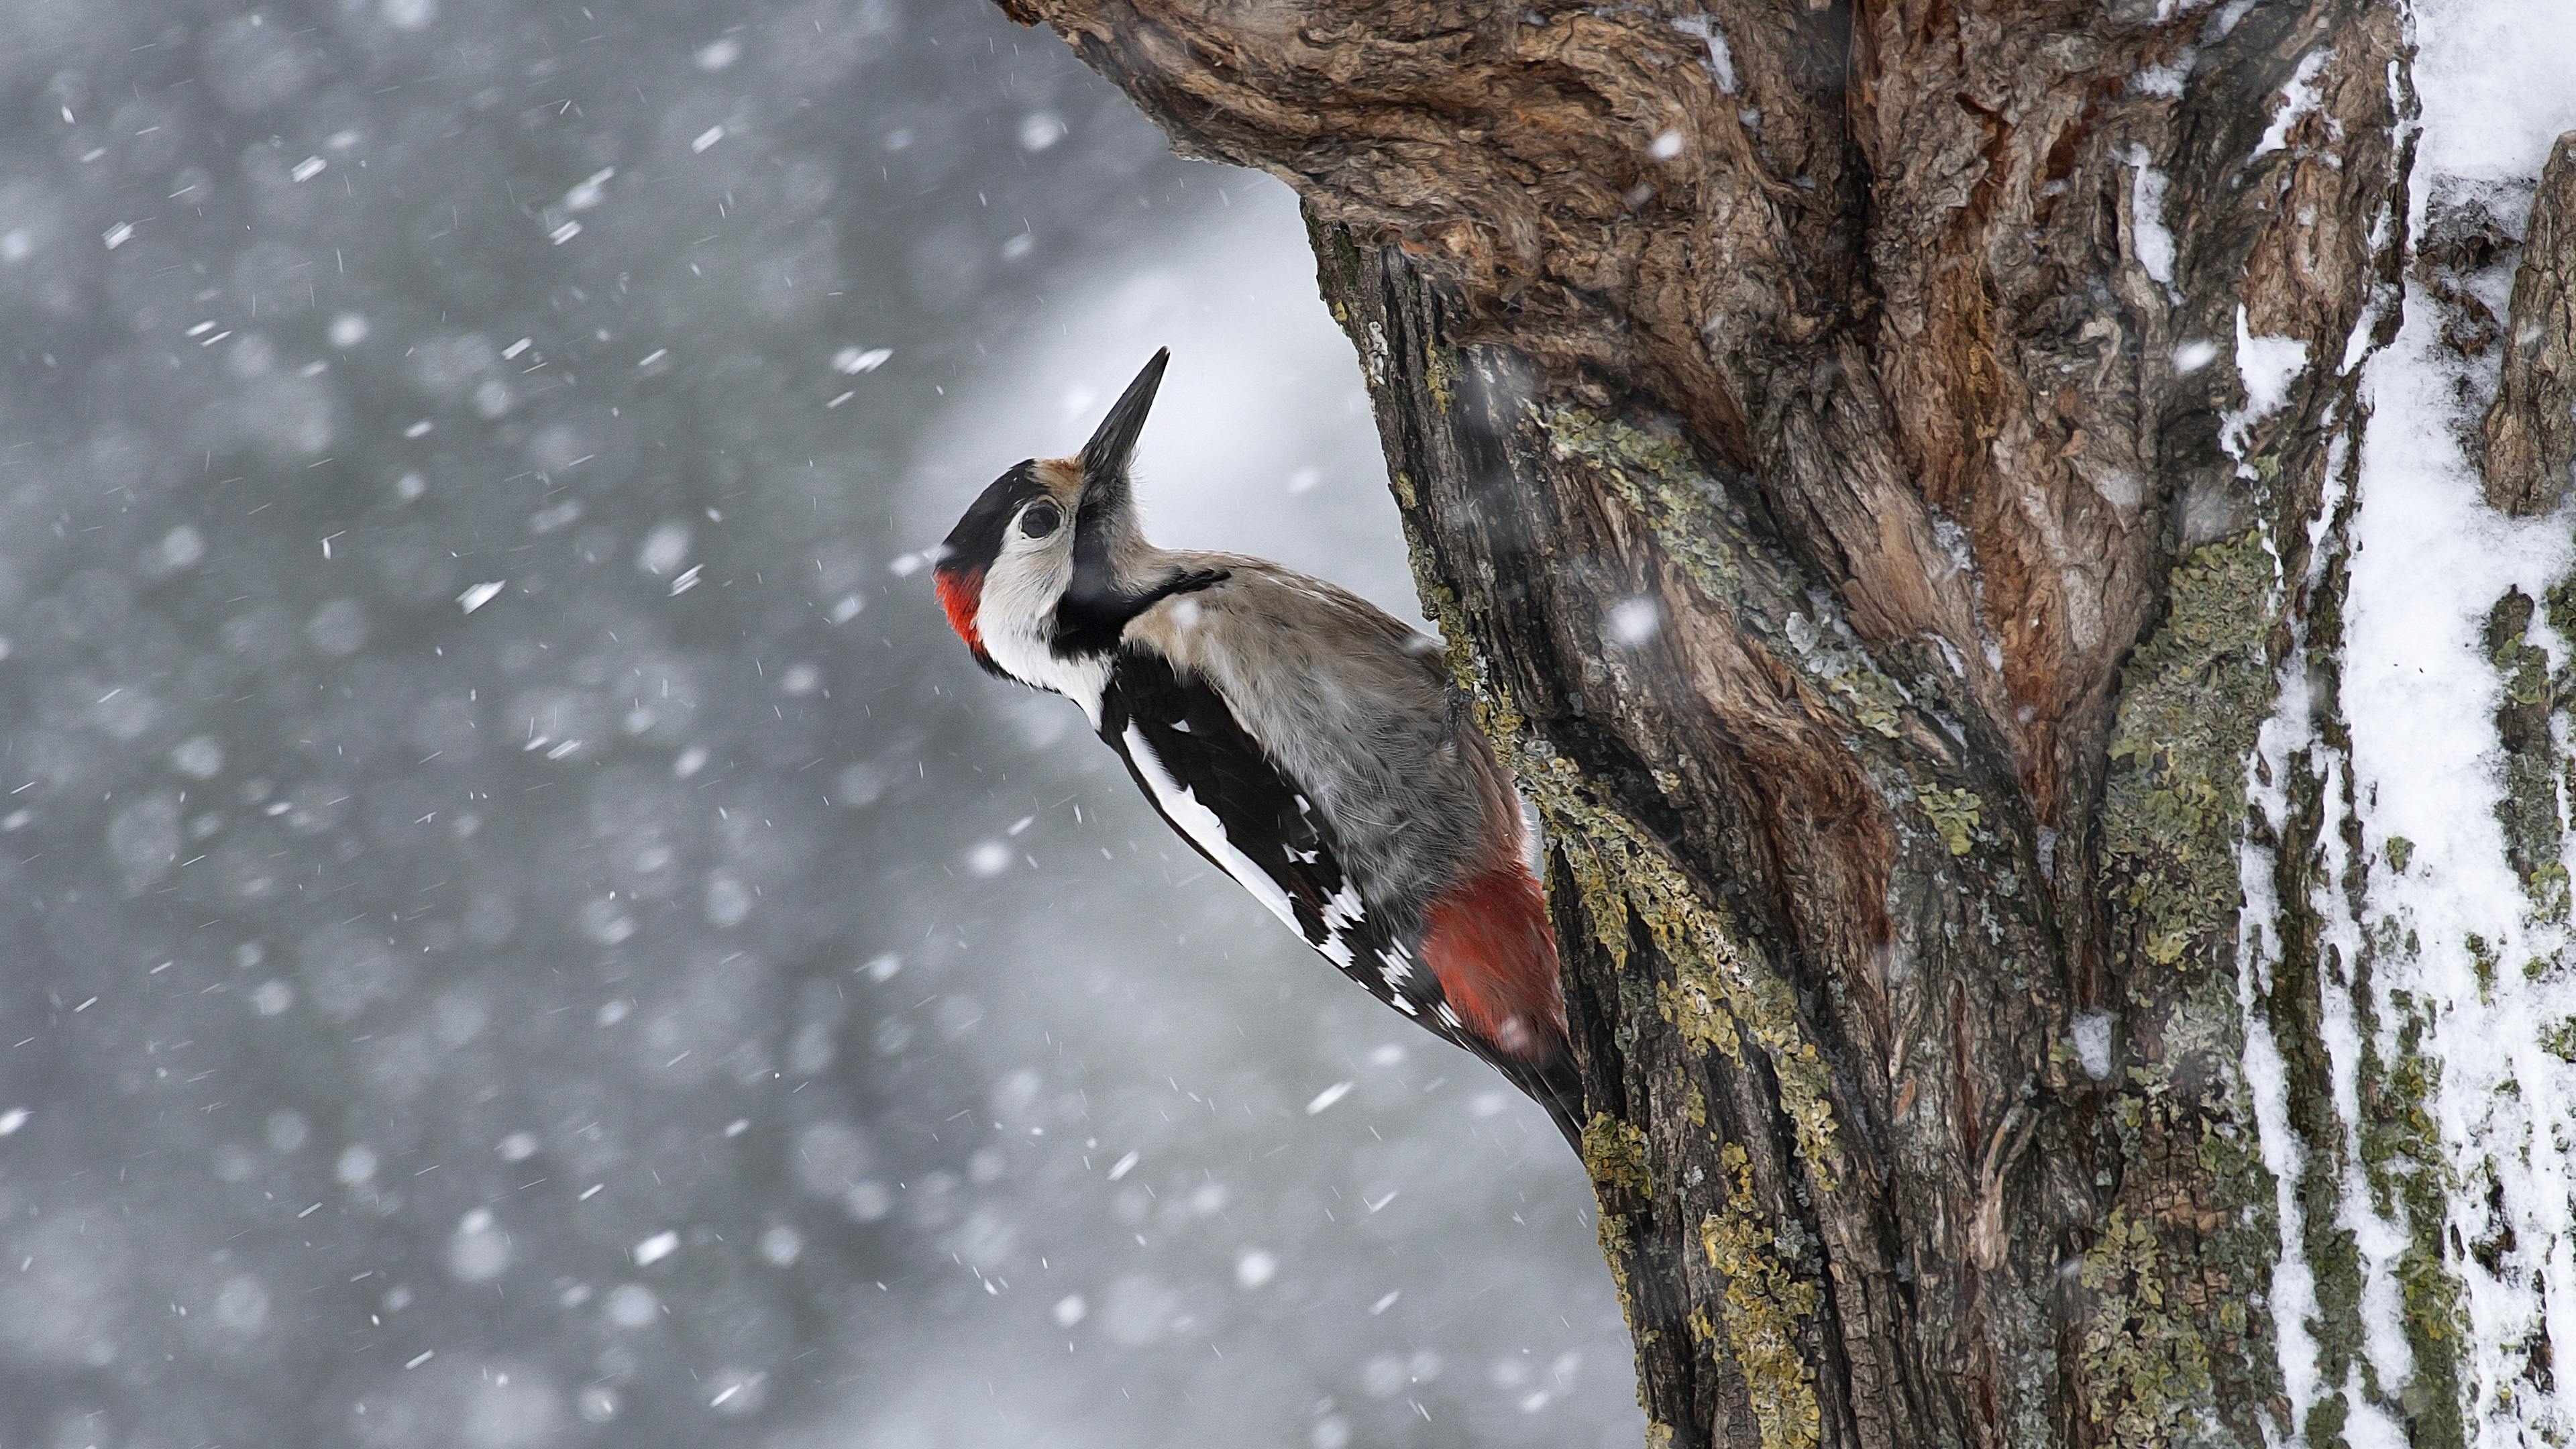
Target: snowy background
(676, 999)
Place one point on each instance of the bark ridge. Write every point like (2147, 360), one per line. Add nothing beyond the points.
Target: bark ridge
(2529, 436)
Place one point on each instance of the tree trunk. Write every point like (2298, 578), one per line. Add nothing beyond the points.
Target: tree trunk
(1872, 463)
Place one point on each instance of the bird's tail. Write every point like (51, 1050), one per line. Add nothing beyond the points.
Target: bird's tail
(1556, 1086)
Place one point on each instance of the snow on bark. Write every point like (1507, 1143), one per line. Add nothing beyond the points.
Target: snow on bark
(2406, 963)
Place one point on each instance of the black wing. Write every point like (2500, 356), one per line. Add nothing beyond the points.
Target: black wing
(1225, 796)
(1222, 792)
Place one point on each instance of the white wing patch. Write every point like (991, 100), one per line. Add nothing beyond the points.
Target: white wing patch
(1395, 964)
(1341, 913)
(1204, 829)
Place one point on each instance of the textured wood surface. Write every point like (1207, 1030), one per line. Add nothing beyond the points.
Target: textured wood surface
(2529, 438)
(1862, 457)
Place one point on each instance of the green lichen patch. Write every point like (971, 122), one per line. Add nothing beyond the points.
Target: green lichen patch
(2529, 810)
(2411, 1179)
(1616, 1246)
(2398, 1136)
(1440, 375)
(1953, 814)
(2176, 1347)
(1659, 480)
(2191, 702)
(2558, 606)
(2140, 1345)
(1767, 1305)
(2293, 995)
(1721, 996)
(2559, 1039)
(1347, 257)
(1697, 1009)
(1614, 1153)
(2401, 853)
(2231, 1271)
(2170, 1329)
(2326, 1420)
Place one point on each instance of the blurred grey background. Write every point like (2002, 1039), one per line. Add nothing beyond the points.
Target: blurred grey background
(523, 927)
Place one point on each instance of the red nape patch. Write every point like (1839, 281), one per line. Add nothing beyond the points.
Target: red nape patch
(1490, 945)
(961, 594)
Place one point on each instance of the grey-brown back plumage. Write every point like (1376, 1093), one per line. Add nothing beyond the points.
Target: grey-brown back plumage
(1351, 703)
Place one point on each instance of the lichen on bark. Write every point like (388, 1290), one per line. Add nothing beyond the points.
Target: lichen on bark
(1767, 1305)
(1721, 996)
(2529, 810)
(2410, 1179)
(2148, 1350)
(1954, 816)
(2177, 1343)
(1614, 1154)
(2192, 700)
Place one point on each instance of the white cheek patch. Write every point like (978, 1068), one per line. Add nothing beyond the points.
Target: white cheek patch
(1203, 828)
(1017, 619)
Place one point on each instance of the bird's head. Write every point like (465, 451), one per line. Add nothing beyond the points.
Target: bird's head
(1048, 530)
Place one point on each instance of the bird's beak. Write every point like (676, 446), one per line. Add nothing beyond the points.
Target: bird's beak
(1104, 458)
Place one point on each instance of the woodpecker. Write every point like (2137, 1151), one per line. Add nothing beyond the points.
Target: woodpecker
(1304, 741)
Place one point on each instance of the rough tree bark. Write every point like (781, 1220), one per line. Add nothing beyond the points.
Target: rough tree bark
(2528, 439)
(1864, 458)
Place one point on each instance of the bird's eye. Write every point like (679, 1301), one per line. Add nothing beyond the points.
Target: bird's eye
(1040, 520)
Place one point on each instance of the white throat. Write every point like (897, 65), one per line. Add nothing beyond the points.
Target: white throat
(1016, 617)
(1020, 646)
